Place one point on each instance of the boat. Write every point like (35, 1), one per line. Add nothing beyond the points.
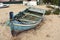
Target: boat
(4, 5)
(27, 19)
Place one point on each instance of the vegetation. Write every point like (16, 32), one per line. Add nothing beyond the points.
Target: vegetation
(56, 11)
(55, 2)
(47, 1)
(48, 12)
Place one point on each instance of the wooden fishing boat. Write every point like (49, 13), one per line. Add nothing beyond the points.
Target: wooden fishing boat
(27, 19)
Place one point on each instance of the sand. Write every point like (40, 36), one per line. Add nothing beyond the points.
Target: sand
(5, 33)
(43, 7)
(4, 12)
(49, 29)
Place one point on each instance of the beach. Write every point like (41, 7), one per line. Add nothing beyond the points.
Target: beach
(48, 29)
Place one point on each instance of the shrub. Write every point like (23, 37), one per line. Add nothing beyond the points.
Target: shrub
(56, 11)
(48, 12)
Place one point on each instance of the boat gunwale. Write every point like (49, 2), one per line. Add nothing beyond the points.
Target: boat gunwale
(29, 24)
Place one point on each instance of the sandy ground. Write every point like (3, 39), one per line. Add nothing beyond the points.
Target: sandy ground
(49, 29)
(4, 12)
(5, 33)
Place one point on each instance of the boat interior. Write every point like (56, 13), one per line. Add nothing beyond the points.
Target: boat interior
(28, 17)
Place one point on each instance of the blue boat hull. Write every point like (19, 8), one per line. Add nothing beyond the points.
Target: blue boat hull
(25, 21)
(21, 28)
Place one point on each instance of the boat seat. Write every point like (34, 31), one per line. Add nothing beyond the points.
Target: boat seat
(28, 20)
(34, 15)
